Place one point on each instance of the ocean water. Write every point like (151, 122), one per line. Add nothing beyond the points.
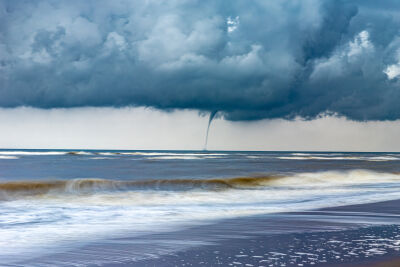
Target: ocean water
(56, 201)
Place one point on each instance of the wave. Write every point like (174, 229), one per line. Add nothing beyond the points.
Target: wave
(98, 155)
(317, 154)
(155, 155)
(8, 157)
(97, 158)
(375, 158)
(78, 153)
(387, 158)
(12, 190)
(28, 188)
(32, 153)
(43, 153)
(170, 154)
(184, 157)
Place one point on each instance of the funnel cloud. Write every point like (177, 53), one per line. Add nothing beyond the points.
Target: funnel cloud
(249, 60)
(210, 119)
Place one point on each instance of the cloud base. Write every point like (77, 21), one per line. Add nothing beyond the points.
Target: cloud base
(248, 60)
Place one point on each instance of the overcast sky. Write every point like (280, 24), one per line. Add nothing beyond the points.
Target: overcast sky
(262, 65)
(140, 128)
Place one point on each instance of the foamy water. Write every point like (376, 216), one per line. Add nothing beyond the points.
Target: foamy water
(52, 214)
(309, 157)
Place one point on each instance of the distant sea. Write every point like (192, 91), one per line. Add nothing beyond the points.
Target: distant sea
(86, 207)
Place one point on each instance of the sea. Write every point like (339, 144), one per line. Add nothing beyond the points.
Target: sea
(111, 207)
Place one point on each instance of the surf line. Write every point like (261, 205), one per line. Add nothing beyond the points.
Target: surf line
(212, 116)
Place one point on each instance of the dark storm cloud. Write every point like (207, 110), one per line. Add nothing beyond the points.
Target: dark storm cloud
(246, 59)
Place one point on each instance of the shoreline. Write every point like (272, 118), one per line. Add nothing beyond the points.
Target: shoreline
(354, 235)
(352, 232)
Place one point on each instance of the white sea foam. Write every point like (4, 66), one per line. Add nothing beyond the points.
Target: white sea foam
(184, 157)
(173, 156)
(317, 154)
(302, 154)
(176, 157)
(44, 153)
(387, 158)
(107, 153)
(100, 158)
(254, 157)
(32, 153)
(364, 158)
(8, 157)
(170, 154)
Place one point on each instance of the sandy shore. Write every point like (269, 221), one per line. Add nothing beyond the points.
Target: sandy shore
(357, 235)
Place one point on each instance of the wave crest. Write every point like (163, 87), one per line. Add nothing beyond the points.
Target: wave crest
(12, 190)
(86, 186)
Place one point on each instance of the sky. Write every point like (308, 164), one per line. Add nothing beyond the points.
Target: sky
(281, 75)
(148, 128)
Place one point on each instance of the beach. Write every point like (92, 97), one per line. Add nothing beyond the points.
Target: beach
(354, 235)
(357, 235)
(196, 208)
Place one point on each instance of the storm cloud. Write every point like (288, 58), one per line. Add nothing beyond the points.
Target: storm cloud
(246, 59)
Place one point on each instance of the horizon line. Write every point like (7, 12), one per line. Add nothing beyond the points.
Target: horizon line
(202, 150)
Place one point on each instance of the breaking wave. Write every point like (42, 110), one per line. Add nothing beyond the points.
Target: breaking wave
(8, 157)
(11, 154)
(29, 188)
(300, 156)
(13, 190)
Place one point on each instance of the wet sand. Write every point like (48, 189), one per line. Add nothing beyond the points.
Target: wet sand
(357, 235)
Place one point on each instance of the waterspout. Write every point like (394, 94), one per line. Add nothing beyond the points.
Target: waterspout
(212, 115)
